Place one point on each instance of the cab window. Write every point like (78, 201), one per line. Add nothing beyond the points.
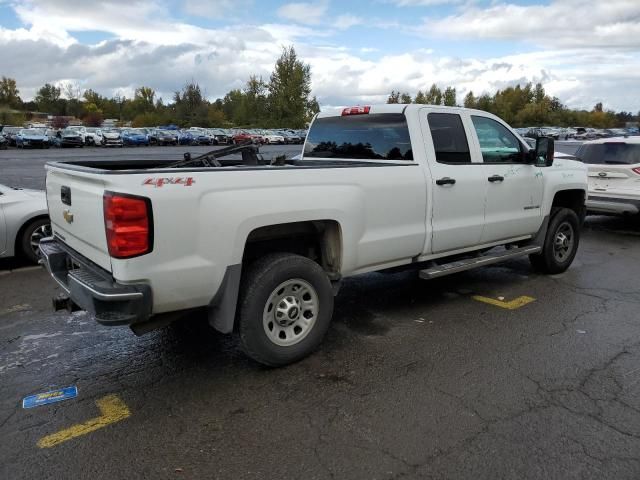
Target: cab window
(381, 136)
(497, 143)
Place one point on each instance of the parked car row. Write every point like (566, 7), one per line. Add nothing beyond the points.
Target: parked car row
(79, 136)
(576, 133)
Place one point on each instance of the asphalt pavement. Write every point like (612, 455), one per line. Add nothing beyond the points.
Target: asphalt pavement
(496, 373)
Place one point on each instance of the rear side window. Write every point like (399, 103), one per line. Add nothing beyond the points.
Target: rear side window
(381, 136)
(497, 143)
(609, 153)
(449, 138)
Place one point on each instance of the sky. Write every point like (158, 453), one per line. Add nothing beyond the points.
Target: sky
(582, 51)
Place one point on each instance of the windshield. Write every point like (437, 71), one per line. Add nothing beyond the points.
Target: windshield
(609, 153)
(30, 131)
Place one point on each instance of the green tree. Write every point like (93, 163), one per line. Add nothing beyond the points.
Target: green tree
(91, 96)
(47, 98)
(539, 94)
(485, 102)
(405, 98)
(394, 97)
(449, 97)
(470, 100)
(143, 100)
(9, 93)
(191, 108)
(434, 95)
(420, 97)
(290, 90)
(233, 107)
(255, 102)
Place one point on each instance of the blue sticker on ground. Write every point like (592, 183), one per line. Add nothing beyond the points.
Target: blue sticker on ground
(49, 397)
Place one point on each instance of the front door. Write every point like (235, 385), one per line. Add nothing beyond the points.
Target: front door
(514, 187)
(458, 186)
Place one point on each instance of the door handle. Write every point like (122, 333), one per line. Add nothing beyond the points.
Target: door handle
(446, 181)
(496, 178)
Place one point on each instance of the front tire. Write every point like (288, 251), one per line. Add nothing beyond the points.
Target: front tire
(560, 244)
(285, 308)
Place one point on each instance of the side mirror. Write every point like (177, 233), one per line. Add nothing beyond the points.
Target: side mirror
(543, 153)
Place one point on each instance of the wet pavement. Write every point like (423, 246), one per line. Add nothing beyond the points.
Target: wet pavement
(416, 379)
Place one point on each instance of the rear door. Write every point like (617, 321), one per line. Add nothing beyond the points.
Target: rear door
(76, 212)
(458, 186)
(514, 187)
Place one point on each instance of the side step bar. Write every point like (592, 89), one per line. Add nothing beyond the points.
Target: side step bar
(462, 265)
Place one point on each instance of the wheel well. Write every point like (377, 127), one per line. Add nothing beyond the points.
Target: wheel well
(17, 246)
(318, 240)
(572, 199)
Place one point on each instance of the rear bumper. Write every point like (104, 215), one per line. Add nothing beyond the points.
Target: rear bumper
(618, 206)
(93, 289)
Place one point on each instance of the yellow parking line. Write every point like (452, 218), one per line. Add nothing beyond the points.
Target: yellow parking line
(112, 410)
(512, 305)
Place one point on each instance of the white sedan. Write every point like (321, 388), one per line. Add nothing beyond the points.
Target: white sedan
(272, 138)
(24, 220)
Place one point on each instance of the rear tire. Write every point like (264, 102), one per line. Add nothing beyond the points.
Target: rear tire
(285, 308)
(31, 236)
(560, 244)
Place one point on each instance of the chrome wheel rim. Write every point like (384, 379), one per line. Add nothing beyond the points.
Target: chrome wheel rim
(43, 231)
(290, 312)
(563, 242)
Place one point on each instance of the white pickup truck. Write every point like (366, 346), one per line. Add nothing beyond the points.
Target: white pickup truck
(262, 246)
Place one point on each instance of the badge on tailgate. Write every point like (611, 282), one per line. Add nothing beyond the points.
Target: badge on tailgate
(68, 216)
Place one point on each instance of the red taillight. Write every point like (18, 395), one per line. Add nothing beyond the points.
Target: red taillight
(636, 170)
(356, 110)
(127, 221)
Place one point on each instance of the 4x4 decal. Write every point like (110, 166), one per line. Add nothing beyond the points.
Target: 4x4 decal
(160, 181)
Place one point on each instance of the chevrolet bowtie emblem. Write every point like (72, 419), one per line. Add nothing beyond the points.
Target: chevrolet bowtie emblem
(68, 216)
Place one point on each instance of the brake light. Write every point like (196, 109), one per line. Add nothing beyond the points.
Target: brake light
(128, 224)
(636, 170)
(356, 110)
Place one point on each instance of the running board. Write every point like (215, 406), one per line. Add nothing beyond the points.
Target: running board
(462, 265)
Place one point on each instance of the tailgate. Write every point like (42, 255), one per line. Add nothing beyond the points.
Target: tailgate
(76, 211)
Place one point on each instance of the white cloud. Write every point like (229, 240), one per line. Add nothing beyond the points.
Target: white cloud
(560, 24)
(216, 8)
(422, 3)
(343, 22)
(151, 48)
(305, 13)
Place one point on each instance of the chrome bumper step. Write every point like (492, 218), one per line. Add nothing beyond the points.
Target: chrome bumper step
(468, 264)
